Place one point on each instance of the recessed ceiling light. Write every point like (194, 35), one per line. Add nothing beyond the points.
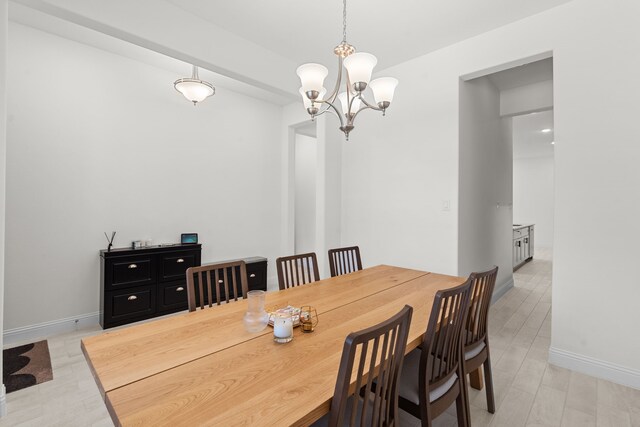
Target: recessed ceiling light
(553, 143)
(547, 130)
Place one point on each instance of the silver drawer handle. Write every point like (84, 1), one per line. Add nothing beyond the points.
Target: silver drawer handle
(132, 298)
(133, 265)
(180, 260)
(252, 275)
(179, 289)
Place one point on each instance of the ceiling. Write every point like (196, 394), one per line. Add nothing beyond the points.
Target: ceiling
(533, 72)
(394, 31)
(255, 46)
(33, 18)
(528, 140)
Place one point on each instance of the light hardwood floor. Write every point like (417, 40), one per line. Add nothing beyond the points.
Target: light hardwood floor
(529, 391)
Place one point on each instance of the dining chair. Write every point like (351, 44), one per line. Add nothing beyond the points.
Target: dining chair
(297, 270)
(476, 338)
(344, 260)
(378, 349)
(222, 282)
(432, 378)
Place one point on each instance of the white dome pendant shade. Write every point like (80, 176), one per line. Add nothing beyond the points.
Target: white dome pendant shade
(312, 77)
(360, 66)
(383, 90)
(194, 89)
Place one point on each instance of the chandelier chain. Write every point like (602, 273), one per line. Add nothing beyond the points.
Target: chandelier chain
(344, 21)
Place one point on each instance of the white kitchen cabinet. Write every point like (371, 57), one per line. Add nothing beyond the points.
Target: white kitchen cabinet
(522, 244)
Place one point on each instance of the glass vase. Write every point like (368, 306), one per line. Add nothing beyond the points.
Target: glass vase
(256, 318)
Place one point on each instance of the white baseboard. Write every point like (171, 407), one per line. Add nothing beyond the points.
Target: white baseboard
(3, 401)
(595, 367)
(499, 291)
(26, 334)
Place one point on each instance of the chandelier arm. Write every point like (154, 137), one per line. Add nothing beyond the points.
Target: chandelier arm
(373, 107)
(334, 94)
(320, 113)
(353, 98)
(335, 110)
(353, 117)
(325, 108)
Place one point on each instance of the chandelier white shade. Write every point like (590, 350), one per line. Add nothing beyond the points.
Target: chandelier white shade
(194, 89)
(359, 67)
(344, 102)
(383, 89)
(312, 76)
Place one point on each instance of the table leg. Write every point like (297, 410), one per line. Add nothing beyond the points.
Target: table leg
(475, 379)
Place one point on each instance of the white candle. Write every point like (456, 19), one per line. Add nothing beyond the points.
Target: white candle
(282, 327)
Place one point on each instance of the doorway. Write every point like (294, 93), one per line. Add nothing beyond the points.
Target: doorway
(506, 168)
(305, 178)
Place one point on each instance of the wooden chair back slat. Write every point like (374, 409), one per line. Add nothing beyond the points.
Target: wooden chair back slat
(441, 348)
(297, 270)
(224, 277)
(482, 285)
(380, 349)
(344, 260)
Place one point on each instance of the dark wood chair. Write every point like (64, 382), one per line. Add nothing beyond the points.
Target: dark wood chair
(432, 377)
(476, 339)
(378, 349)
(297, 270)
(344, 260)
(221, 282)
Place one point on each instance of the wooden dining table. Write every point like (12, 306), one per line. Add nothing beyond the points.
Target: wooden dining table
(203, 368)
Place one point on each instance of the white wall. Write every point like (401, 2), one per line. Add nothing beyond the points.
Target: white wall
(97, 142)
(305, 193)
(4, 28)
(485, 233)
(533, 196)
(397, 171)
(525, 99)
(329, 185)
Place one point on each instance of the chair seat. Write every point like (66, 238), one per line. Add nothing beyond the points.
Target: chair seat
(470, 354)
(409, 388)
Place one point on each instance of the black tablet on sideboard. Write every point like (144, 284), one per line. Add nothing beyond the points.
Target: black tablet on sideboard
(187, 238)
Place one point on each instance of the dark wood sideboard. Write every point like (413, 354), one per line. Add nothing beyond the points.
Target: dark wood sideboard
(138, 284)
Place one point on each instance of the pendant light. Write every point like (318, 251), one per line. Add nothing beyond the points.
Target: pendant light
(194, 89)
(359, 67)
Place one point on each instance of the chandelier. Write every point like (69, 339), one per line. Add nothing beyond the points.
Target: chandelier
(194, 89)
(359, 67)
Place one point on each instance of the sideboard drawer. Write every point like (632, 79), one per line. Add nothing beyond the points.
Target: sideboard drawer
(127, 305)
(257, 276)
(130, 271)
(172, 296)
(174, 266)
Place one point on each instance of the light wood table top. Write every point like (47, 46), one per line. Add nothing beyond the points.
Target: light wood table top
(203, 368)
